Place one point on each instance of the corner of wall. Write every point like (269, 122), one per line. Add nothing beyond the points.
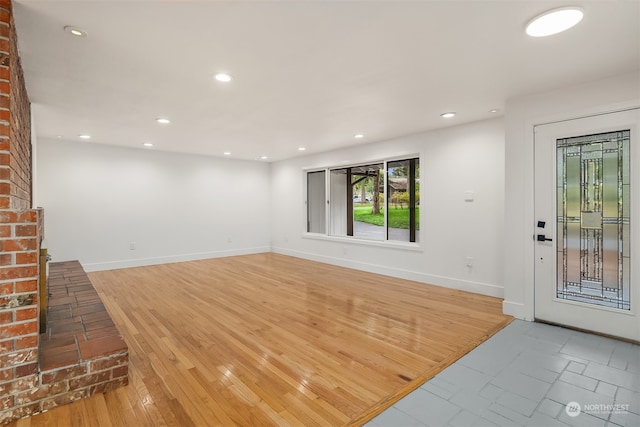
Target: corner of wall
(517, 310)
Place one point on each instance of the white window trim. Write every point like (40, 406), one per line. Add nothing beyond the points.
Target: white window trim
(391, 244)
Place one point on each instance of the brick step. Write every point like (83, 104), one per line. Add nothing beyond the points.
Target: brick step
(82, 351)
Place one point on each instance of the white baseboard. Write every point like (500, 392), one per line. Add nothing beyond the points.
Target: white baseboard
(447, 282)
(517, 310)
(142, 262)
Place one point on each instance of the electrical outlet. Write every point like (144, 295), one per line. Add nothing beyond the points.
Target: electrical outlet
(468, 196)
(132, 246)
(469, 261)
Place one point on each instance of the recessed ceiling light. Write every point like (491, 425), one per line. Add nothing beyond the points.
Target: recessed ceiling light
(301, 148)
(494, 110)
(78, 32)
(84, 136)
(264, 157)
(58, 136)
(358, 136)
(448, 115)
(554, 21)
(223, 77)
(163, 121)
(227, 153)
(148, 144)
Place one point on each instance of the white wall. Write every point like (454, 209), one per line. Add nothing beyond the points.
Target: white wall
(452, 161)
(98, 199)
(523, 113)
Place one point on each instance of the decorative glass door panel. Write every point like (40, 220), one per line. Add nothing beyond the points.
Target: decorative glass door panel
(593, 224)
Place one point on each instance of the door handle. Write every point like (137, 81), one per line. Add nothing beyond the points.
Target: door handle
(543, 238)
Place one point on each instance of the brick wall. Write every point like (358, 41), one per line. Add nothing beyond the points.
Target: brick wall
(15, 120)
(20, 229)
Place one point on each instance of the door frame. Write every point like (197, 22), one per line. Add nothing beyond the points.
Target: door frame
(530, 289)
(519, 275)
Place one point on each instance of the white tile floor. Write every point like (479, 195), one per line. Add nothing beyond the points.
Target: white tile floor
(530, 374)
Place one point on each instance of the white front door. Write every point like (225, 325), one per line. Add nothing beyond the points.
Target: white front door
(587, 230)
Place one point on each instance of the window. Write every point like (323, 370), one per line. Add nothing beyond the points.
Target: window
(356, 206)
(403, 198)
(316, 212)
(377, 201)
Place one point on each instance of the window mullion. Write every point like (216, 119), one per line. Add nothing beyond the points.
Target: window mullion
(349, 203)
(327, 204)
(386, 199)
(411, 188)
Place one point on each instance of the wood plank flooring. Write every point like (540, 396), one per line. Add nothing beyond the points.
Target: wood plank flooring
(268, 339)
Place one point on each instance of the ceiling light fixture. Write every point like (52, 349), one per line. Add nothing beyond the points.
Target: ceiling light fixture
(223, 77)
(554, 21)
(448, 115)
(301, 148)
(264, 157)
(163, 121)
(227, 153)
(84, 136)
(78, 32)
(148, 144)
(494, 110)
(358, 136)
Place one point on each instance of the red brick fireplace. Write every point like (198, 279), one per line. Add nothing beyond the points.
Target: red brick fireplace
(20, 226)
(82, 353)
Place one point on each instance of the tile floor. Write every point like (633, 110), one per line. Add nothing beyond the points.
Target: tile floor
(530, 374)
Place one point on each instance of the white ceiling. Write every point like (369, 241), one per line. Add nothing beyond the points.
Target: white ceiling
(306, 73)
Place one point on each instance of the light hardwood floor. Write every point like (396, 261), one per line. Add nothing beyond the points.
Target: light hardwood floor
(268, 339)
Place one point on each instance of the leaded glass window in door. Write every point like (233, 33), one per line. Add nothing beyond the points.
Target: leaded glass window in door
(593, 228)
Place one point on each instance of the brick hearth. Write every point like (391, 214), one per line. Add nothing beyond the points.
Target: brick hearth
(82, 352)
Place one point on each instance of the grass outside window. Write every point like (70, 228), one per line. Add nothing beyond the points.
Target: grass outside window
(398, 217)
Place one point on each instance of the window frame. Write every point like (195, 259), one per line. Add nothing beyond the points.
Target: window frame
(406, 245)
(324, 202)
